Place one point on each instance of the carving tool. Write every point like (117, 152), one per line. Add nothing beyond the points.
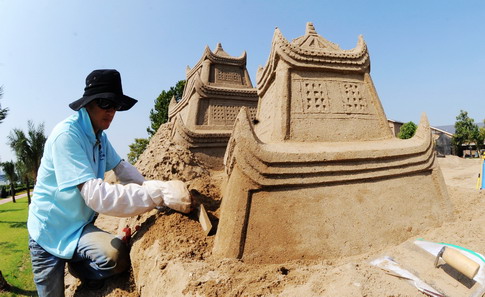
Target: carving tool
(469, 263)
(204, 220)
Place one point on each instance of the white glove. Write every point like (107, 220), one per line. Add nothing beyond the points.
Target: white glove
(175, 194)
(127, 173)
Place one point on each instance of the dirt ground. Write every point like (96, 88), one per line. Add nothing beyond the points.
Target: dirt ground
(171, 256)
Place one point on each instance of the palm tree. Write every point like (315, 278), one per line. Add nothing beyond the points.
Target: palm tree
(4, 111)
(28, 149)
(24, 176)
(9, 170)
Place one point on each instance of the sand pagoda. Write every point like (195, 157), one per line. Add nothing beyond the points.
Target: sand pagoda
(216, 89)
(319, 174)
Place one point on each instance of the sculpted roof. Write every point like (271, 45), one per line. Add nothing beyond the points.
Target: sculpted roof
(219, 56)
(216, 91)
(313, 51)
(219, 52)
(201, 79)
(312, 41)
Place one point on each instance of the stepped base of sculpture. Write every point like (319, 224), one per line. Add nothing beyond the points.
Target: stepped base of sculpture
(326, 200)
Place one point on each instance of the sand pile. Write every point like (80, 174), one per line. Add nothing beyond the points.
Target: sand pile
(172, 257)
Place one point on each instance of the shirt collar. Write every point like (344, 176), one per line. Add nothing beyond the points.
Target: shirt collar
(87, 126)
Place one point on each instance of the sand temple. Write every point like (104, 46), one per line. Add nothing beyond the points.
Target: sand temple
(319, 174)
(216, 89)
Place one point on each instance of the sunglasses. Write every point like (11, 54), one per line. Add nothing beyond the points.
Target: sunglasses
(107, 104)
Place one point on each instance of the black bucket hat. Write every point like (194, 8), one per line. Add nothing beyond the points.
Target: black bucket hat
(104, 84)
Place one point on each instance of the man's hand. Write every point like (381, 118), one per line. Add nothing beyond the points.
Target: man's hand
(174, 194)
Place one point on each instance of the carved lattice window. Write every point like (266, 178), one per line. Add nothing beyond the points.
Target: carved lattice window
(315, 97)
(353, 99)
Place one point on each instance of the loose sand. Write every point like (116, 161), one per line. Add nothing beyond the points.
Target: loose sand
(172, 257)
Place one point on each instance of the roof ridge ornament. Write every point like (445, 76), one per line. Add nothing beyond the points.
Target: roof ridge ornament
(219, 51)
(310, 29)
(313, 41)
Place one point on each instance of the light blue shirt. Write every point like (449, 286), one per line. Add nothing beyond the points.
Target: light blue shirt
(72, 155)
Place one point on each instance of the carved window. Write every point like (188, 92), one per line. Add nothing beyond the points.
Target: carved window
(228, 76)
(218, 114)
(353, 99)
(315, 97)
(231, 114)
(226, 114)
(252, 112)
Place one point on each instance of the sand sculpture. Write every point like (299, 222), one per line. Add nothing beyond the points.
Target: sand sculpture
(216, 89)
(319, 174)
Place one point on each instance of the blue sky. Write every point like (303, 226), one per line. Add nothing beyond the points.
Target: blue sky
(426, 56)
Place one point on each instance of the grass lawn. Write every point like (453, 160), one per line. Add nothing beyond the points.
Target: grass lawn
(14, 252)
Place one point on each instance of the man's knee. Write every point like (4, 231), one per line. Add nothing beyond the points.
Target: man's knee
(101, 252)
(120, 255)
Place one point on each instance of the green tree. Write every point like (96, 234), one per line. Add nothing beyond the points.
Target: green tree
(482, 129)
(407, 130)
(24, 176)
(481, 137)
(4, 111)
(158, 116)
(137, 148)
(29, 149)
(466, 132)
(9, 170)
(159, 113)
